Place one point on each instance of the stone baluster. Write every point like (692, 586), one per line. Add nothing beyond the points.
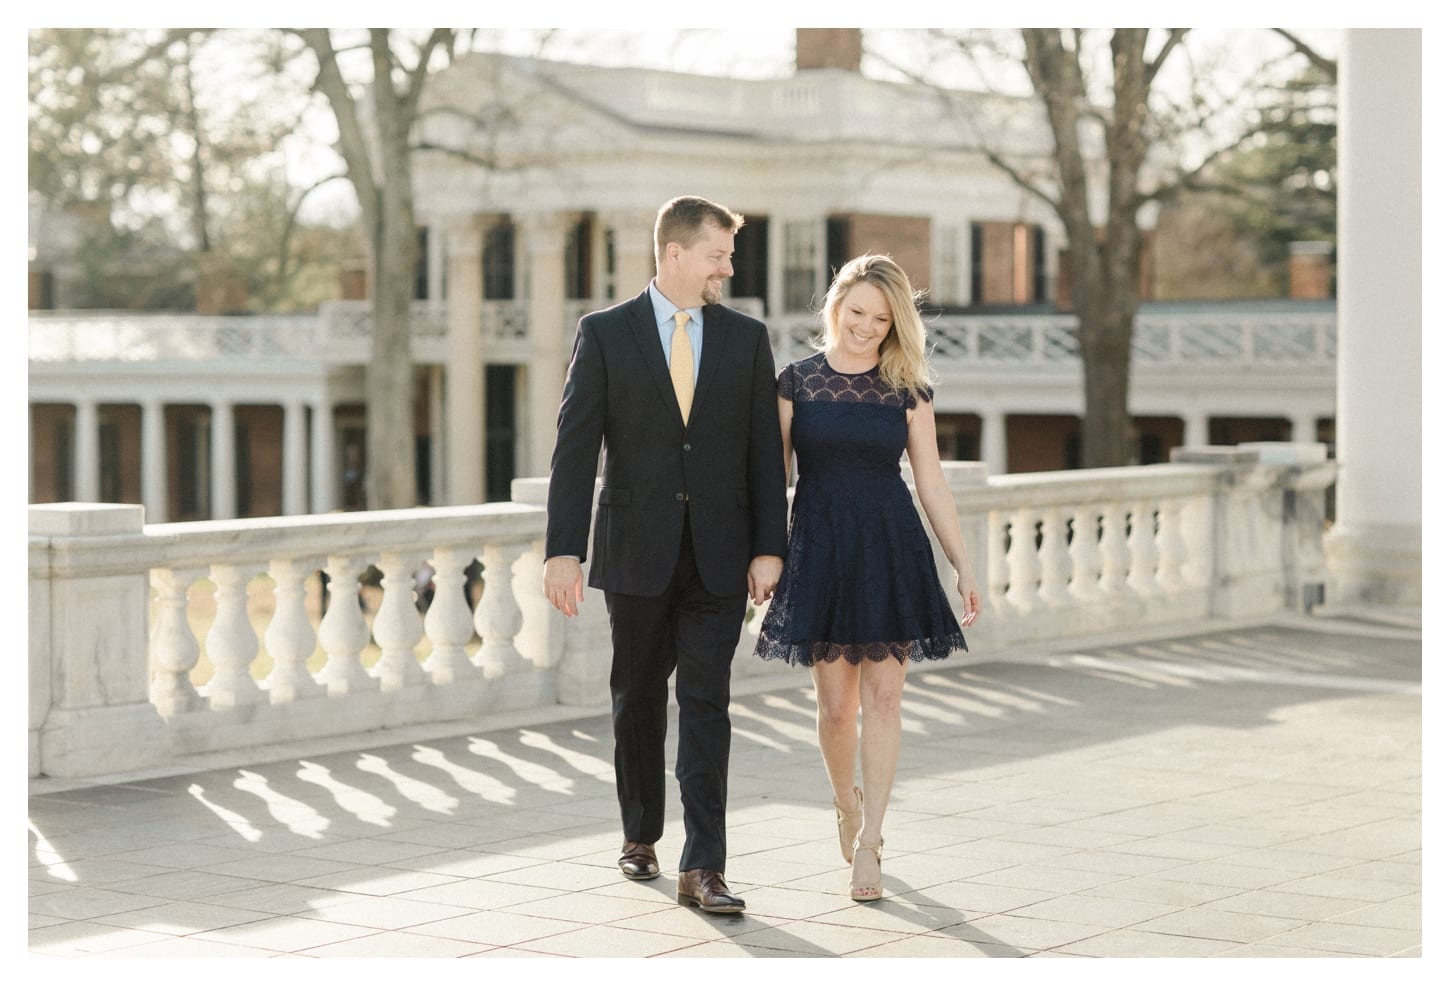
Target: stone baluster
(1113, 552)
(1086, 555)
(290, 638)
(1024, 571)
(449, 621)
(231, 643)
(1142, 551)
(498, 616)
(174, 649)
(1053, 557)
(540, 638)
(343, 631)
(397, 627)
(1172, 550)
(1195, 528)
(997, 561)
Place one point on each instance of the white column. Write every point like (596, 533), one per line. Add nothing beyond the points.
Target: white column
(87, 453)
(994, 442)
(435, 265)
(1195, 429)
(463, 438)
(967, 298)
(775, 274)
(294, 458)
(544, 250)
(634, 258)
(153, 461)
(1304, 428)
(223, 462)
(437, 421)
(1373, 551)
(324, 480)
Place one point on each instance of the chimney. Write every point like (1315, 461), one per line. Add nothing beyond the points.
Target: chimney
(828, 47)
(1309, 269)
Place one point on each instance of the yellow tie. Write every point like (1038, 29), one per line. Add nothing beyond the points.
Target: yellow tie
(682, 364)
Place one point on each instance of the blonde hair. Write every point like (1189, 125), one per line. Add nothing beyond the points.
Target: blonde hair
(903, 363)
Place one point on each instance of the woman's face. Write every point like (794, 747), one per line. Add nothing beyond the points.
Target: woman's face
(863, 319)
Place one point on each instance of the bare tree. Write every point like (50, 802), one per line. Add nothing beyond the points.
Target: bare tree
(1119, 145)
(379, 165)
(161, 150)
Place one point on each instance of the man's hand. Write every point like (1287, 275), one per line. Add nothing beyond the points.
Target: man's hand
(762, 577)
(564, 584)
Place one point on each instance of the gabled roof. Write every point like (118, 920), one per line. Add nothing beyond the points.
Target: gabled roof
(811, 107)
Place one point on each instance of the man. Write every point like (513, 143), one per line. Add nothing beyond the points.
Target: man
(681, 392)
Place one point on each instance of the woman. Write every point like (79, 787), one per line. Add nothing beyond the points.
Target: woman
(860, 593)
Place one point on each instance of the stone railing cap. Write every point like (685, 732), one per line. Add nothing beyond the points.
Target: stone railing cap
(1213, 454)
(86, 519)
(1289, 453)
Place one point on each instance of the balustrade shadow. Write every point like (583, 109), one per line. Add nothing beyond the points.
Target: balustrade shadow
(484, 806)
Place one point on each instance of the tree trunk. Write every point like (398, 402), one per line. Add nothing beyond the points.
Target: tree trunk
(1106, 343)
(385, 195)
(1105, 257)
(391, 467)
(390, 444)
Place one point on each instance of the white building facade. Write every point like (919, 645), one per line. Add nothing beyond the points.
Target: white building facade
(547, 213)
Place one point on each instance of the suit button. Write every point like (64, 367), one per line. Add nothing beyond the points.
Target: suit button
(679, 496)
(687, 446)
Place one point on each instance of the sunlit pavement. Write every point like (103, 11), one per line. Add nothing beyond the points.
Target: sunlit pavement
(1232, 791)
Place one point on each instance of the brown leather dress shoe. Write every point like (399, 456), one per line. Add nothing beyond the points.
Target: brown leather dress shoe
(706, 890)
(637, 861)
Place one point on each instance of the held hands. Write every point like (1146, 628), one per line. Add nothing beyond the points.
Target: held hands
(971, 598)
(762, 577)
(564, 584)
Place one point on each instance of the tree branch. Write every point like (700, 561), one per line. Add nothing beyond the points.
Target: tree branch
(1175, 38)
(354, 147)
(1328, 66)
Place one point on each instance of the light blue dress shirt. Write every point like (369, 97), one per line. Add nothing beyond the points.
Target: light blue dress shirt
(665, 322)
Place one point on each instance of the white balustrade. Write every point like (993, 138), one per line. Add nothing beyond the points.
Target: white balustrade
(1065, 554)
(1113, 551)
(397, 627)
(1054, 560)
(341, 329)
(231, 644)
(1024, 571)
(1086, 555)
(539, 639)
(997, 569)
(1142, 550)
(449, 623)
(498, 617)
(1172, 550)
(174, 648)
(343, 631)
(289, 638)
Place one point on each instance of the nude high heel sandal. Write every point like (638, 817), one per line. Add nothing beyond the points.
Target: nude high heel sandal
(866, 872)
(848, 824)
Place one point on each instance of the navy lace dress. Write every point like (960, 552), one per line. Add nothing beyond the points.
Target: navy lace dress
(860, 581)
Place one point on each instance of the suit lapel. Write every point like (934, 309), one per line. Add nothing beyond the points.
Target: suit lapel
(712, 345)
(647, 337)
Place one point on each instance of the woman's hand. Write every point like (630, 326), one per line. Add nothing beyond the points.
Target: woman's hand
(971, 598)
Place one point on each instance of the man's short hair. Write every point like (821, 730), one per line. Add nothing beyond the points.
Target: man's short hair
(683, 220)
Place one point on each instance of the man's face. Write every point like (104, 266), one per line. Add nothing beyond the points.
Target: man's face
(699, 270)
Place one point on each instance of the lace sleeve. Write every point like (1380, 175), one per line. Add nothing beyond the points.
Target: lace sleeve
(785, 383)
(922, 393)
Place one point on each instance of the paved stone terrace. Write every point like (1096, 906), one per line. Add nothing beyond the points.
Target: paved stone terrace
(1229, 791)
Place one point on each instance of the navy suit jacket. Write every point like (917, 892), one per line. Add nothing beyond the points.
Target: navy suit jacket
(727, 464)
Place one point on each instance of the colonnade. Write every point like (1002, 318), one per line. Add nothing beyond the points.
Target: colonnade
(309, 475)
